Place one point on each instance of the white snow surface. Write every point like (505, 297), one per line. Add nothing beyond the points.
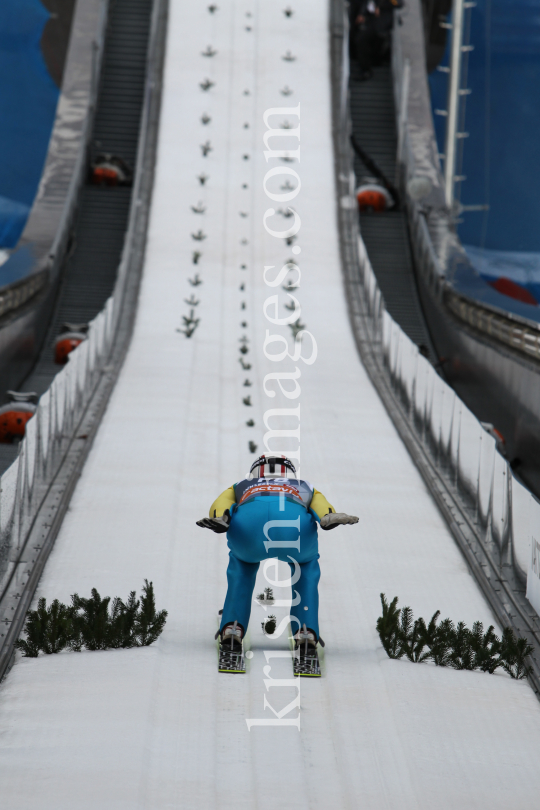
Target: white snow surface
(158, 727)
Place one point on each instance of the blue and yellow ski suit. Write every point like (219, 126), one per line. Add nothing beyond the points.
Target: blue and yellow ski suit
(272, 518)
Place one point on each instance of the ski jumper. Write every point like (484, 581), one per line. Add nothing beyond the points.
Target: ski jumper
(272, 518)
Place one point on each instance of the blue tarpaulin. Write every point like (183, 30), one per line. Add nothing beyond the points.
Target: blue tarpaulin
(501, 155)
(28, 99)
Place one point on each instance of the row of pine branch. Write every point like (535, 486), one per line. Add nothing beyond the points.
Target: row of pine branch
(93, 624)
(450, 645)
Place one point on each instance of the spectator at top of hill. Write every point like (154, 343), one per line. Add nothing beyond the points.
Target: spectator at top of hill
(371, 22)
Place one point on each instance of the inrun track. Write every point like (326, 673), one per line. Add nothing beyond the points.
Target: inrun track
(158, 727)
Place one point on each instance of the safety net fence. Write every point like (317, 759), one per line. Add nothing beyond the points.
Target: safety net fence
(35, 490)
(493, 517)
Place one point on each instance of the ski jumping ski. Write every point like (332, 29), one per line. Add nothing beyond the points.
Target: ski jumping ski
(306, 662)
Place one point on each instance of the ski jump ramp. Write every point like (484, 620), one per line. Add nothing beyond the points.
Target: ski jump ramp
(158, 727)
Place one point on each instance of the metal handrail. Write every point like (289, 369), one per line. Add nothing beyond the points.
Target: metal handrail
(454, 85)
(16, 295)
(519, 338)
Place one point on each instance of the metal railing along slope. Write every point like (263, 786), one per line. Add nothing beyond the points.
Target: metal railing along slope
(36, 489)
(493, 518)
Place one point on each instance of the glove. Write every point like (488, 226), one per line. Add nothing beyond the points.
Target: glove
(333, 519)
(217, 524)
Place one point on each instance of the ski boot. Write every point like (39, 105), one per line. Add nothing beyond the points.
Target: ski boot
(231, 651)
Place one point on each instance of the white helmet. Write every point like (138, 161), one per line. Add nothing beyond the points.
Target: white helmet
(272, 466)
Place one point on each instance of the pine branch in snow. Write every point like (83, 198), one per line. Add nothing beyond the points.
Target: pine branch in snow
(269, 625)
(450, 645)
(514, 651)
(388, 628)
(47, 629)
(149, 624)
(93, 623)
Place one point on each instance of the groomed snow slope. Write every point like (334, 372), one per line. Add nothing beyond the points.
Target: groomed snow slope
(158, 727)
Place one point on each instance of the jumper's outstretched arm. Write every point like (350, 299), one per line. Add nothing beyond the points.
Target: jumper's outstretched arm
(219, 516)
(222, 503)
(326, 513)
(320, 505)
(217, 524)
